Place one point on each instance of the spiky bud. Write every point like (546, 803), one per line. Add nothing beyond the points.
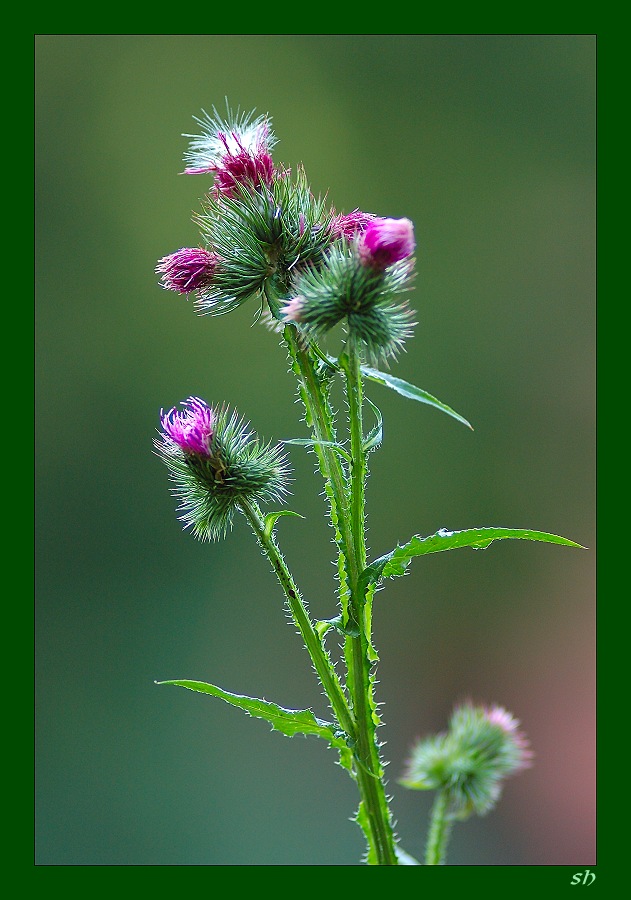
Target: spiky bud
(470, 761)
(187, 270)
(367, 299)
(216, 463)
(262, 238)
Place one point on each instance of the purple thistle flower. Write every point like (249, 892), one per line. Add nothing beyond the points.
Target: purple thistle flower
(385, 242)
(189, 269)
(192, 429)
(237, 152)
(351, 224)
(242, 168)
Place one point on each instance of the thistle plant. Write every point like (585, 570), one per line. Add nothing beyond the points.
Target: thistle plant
(266, 239)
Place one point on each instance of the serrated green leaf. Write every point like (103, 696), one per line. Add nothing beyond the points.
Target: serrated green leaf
(396, 562)
(270, 519)
(375, 436)
(287, 721)
(411, 391)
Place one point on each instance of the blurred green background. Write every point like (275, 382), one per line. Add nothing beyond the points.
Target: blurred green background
(487, 142)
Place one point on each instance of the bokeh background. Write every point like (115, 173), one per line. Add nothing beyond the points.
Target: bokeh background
(487, 142)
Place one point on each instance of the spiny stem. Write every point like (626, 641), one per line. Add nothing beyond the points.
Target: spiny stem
(354, 393)
(440, 826)
(321, 661)
(358, 648)
(320, 419)
(348, 514)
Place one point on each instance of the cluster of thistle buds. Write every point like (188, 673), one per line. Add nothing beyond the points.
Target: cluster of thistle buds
(265, 237)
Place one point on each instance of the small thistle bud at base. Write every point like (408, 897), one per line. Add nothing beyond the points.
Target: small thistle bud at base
(386, 241)
(470, 761)
(187, 270)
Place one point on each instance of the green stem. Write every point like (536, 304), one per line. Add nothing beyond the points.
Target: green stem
(360, 653)
(321, 661)
(347, 514)
(441, 822)
(320, 420)
(355, 397)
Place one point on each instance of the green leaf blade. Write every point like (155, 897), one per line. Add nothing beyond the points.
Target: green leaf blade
(396, 562)
(411, 392)
(288, 721)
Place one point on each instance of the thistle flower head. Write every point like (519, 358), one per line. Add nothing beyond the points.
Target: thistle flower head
(187, 270)
(215, 463)
(470, 761)
(192, 429)
(236, 150)
(242, 168)
(386, 241)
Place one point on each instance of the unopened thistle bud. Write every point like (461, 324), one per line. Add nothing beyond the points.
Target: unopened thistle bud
(187, 270)
(470, 761)
(386, 241)
(215, 463)
(367, 298)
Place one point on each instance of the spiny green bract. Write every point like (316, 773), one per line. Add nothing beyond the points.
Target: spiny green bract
(261, 235)
(368, 300)
(238, 468)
